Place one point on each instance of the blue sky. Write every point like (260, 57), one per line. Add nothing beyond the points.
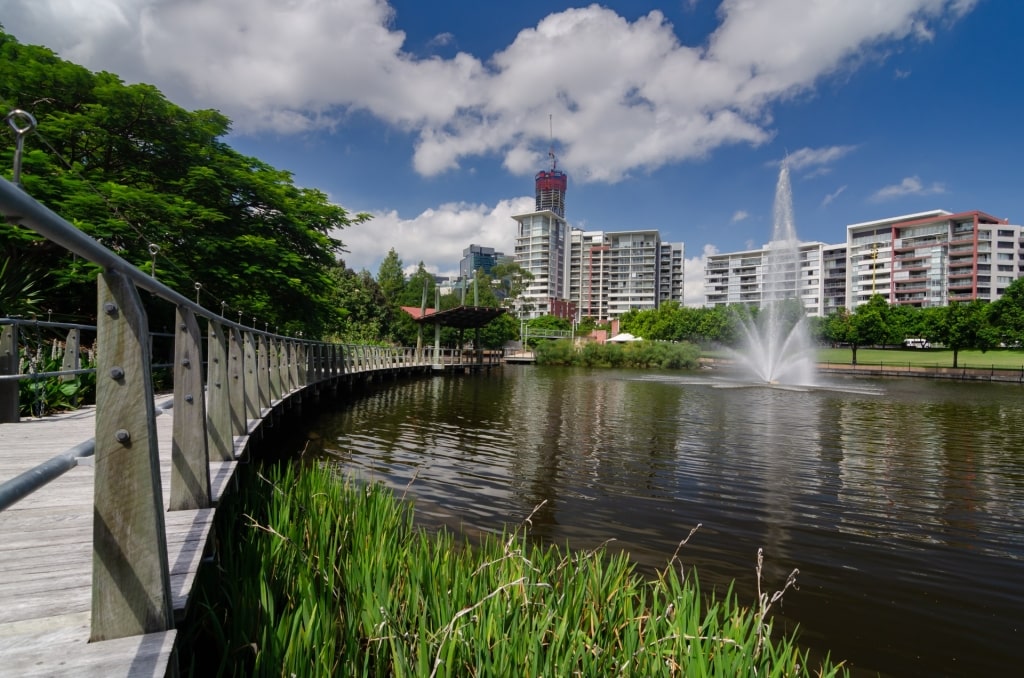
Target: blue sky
(434, 116)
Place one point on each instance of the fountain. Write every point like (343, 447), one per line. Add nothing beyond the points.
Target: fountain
(776, 347)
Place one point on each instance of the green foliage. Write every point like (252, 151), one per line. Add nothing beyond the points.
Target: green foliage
(511, 280)
(38, 397)
(132, 169)
(961, 326)
(361, 314)
(325, 577)
(672, 322)
(1007, 315)
(550, 322)
(497, 333)
(421, 285)
(642, 354)
(391, 278)
(20, 289)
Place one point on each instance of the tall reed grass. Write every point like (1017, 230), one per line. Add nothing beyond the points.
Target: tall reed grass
(323, 576)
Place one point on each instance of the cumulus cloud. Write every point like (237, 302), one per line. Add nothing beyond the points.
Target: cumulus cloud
(909, 186)
(693, 283)
(650, 100)
(436, 236)
(739, 215)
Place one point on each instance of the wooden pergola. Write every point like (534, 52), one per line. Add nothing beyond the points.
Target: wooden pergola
(461, 318)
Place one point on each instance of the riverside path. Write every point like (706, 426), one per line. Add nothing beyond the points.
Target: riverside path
(106, 512)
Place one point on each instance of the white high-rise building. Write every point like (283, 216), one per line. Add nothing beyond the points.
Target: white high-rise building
(612, 273)
(738, 277)
(541, 249)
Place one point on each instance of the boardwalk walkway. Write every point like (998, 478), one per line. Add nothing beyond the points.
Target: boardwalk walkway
(46, 559)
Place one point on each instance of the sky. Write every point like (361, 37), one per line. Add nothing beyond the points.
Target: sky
(435, 116)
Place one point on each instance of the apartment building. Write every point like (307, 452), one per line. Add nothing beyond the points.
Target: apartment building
(753, 277)
(672, 274)
(923, 259)
(542, 249)
(612, 273)
(933, 258)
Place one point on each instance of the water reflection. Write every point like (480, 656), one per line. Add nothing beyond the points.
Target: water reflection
(901, 502)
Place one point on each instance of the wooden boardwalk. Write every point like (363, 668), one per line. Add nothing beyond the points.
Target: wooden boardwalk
(46, 551)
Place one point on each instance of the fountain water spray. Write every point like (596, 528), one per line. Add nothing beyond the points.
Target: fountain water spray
(776, 346)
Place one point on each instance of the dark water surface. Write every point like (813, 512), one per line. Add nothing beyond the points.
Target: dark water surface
(901, 502)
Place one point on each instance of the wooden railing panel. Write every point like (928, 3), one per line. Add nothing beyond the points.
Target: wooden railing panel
(190, 460)
(252, 387)
(236, 372)
(131, 585)
(220, 444)
(263, 374)
(276, 370)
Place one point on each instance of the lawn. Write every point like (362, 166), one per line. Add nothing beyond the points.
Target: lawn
(999, 359)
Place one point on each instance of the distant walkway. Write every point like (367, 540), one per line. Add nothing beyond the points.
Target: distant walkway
(914, 371)
(956, 373)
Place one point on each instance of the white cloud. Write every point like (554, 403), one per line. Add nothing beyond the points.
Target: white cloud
(693, 282)
(436, 237)
(650, 100)
(441, 39)
(815, 157)
(833, 195)
(740, 215)
(909, 186)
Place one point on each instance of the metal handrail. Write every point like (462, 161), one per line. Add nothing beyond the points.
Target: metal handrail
(248, 373)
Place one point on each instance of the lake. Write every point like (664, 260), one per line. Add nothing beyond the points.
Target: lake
(901, 502)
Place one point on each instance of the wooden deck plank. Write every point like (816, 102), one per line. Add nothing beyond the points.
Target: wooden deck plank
(46, 557)
(56, 655)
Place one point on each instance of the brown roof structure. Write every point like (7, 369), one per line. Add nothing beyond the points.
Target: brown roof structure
(460, 317)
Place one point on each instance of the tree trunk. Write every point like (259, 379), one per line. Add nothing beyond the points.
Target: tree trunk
(956, 355)
(853, 349)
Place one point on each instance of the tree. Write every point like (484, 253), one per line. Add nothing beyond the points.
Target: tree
(1007, 315)
(143, 175)
(512, 281)
(421, 282)
(362, 315)
(962, 326)
(871, 323)
(840, 328)
(546, 323)
(391, 278)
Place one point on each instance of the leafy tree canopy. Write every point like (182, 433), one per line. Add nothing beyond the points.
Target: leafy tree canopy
(143, 175)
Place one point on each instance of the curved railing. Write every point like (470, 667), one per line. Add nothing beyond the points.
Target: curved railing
(227, 378)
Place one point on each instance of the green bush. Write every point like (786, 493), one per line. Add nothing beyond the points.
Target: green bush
(642, 354)
(38, 397)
